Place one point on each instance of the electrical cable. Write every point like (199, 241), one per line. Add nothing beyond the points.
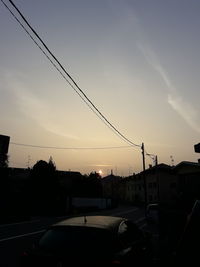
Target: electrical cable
(68, 148)
(83, 96)
(54, 65)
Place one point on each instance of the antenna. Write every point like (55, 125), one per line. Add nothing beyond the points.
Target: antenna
(28, 162)
(172, 160)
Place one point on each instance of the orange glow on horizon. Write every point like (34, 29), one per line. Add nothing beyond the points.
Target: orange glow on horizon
(100, 172)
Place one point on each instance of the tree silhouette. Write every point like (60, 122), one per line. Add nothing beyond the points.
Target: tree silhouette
(52, 164)
(93, 186)
(4, 160)
(44, 188)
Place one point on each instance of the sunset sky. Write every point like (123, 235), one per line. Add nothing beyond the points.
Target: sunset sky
(137, 60)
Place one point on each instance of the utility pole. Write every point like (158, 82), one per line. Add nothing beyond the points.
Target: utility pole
(143, 156)
(172, 160)
(156, 160)
(144, 178)
(28, 162)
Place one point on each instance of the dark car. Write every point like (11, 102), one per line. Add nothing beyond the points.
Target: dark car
(90, 241)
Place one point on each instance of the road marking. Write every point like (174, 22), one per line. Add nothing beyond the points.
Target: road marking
(18, 236)
(9, 224)
(124, 212)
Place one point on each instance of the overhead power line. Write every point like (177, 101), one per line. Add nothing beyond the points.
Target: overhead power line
(54, 65)
(69, 148)
(73, 84)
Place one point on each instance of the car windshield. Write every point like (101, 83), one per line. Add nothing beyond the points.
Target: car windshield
(72, 239)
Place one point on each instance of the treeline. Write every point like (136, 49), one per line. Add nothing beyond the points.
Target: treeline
(45, 192)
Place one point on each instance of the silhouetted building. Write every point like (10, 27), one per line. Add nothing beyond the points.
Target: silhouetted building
(4, 145)
(188, 180)
(111, 186)
(160, 182)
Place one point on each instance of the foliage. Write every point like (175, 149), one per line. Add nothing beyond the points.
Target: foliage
(44, 188)
(52, 164)
(91, 185)
(4, 160)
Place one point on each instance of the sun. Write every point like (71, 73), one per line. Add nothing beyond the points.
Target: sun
(100, 172)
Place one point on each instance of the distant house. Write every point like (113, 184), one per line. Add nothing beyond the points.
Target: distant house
(134, 189)
(164, 184)
(111, 186)
(188, 179)
(129, 189)
(160, 185)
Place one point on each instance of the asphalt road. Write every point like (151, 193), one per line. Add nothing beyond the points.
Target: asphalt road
(16, 238)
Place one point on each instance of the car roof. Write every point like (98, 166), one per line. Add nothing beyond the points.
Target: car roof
(153, 205)
(105, 222)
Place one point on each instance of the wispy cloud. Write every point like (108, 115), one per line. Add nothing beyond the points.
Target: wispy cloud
(175, 100)
(37, 109)
(101, 165)
(185, 110)
(153, 61)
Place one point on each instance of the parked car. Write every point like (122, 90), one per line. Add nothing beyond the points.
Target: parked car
(90, 241)
(152, 213)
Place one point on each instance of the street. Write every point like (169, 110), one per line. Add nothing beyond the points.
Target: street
(17, 237)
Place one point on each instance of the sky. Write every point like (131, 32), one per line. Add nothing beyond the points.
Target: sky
(138, 61)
